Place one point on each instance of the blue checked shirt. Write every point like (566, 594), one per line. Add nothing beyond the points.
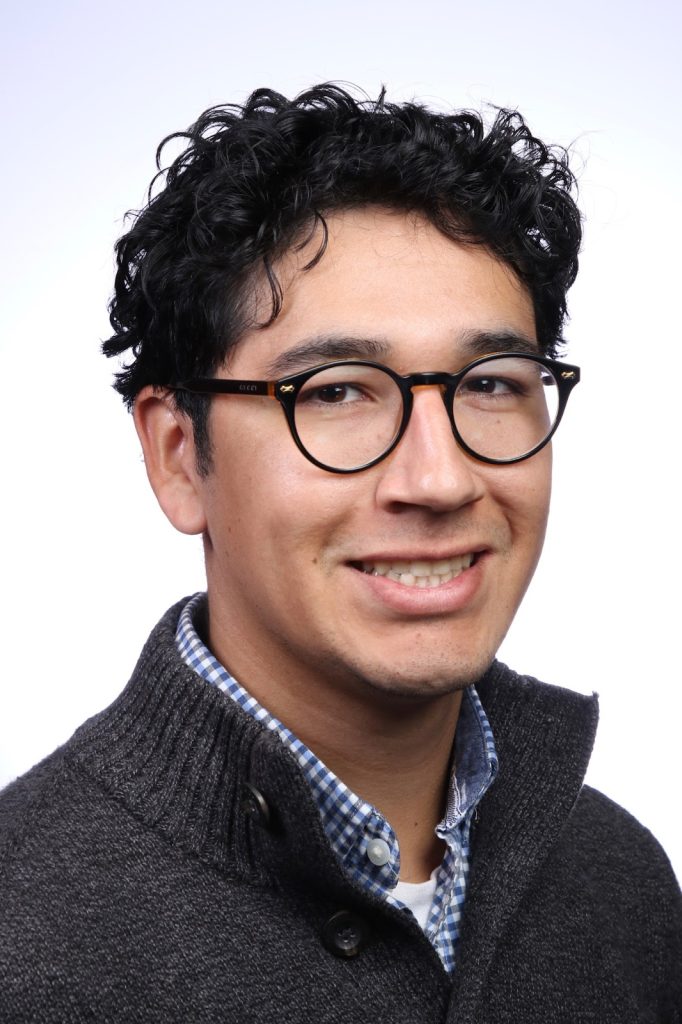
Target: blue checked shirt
(350, 822)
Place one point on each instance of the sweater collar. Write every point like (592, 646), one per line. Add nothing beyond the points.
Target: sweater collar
(178, 755)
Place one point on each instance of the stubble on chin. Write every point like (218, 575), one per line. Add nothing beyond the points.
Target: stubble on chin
(410, 684)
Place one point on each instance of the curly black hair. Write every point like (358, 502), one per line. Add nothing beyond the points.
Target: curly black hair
(254, 178)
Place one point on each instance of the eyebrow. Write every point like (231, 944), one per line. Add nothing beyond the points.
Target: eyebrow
(330, 347)
(325, 348)
(484, 343)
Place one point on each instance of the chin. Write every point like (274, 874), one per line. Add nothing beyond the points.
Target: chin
(413, 683)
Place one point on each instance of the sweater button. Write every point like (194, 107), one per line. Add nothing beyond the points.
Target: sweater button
(255, 805)
(344, 934)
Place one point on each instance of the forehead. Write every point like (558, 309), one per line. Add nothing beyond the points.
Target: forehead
(389, 286)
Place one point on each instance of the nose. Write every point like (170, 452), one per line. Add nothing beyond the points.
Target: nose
(428, 468)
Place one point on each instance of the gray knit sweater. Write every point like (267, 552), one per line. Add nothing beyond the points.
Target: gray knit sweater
(168, 864)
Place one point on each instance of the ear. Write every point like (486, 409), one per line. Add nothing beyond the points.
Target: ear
(167, 440)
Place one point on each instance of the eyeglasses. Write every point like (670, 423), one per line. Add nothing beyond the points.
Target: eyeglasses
(347, 416)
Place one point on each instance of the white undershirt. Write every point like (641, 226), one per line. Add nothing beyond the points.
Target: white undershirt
(418, 896)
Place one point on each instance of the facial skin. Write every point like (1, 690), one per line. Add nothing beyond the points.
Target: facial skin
(290, 614)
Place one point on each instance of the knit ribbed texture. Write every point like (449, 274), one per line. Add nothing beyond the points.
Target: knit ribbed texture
(134, 887)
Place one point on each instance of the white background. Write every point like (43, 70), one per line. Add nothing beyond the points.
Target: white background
(88, 561)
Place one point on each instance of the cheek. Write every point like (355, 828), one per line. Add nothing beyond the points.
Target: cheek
(523, 493)
(266, 498)
(313, 510)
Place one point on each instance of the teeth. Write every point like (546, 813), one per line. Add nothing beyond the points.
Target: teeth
(420, 573)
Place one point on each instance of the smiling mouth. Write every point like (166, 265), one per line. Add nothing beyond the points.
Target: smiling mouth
(421, 574)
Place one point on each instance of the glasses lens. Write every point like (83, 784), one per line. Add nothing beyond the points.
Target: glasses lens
(348, 415)
(504, 408)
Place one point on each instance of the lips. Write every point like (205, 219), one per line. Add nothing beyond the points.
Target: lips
(420, 573)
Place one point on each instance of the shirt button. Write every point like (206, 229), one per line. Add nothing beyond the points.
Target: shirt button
(379, 852)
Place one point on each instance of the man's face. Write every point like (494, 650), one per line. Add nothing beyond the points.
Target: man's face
(286, 542)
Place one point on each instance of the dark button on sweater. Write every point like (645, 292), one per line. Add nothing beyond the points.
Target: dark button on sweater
(255, 805)
(344, 934)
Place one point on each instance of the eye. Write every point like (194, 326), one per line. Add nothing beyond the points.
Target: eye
(352, 388)
(334, 394)
(491, 386)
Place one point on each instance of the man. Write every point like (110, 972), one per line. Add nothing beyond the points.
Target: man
(319, 798)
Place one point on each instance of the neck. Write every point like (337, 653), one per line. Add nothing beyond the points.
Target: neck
(397, 758)
(393, 751)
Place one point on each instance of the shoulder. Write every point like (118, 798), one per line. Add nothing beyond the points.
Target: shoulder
(24, 802)
(618, 875)
(613, 840)
(47, 819)
(37, 843)
(55, 821)
(66, 855)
